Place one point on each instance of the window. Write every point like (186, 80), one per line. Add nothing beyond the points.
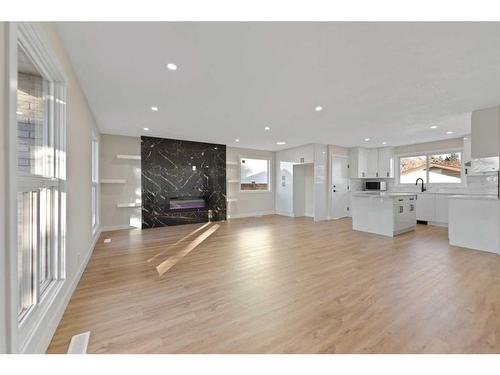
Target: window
(95, 184)
(41, 182)
(438, 168)
(411, 168)
(254, 174)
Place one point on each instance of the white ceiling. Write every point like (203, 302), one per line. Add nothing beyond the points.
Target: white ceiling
(385, 81)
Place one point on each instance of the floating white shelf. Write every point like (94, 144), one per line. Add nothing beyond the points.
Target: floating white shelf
(231, 163)
(112, 181)
(129, 157)
(232, 199)
(124, 205)
(232, 181)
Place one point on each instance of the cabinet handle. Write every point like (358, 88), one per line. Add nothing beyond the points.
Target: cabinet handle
(387, 174)
(400, 209)
(376, 174)
(363, 174)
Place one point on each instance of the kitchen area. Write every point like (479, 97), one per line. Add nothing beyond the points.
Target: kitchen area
(451, 183)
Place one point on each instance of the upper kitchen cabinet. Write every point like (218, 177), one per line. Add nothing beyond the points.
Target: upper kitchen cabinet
(372, 162)
(485, 133)
(358, 162)
(385, 162)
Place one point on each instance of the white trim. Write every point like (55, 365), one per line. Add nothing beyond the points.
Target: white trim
(283, 213)
(251, 214)
(437, 223)
(44, 337)
(10, 145)
(117, 227)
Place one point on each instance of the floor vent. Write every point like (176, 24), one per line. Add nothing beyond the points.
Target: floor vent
(79, 343)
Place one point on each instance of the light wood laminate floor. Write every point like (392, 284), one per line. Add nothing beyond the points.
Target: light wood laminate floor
(275, 284)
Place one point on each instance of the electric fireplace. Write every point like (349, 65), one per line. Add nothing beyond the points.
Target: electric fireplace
(187, 203)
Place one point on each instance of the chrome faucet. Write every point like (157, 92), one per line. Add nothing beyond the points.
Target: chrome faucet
(421, 179)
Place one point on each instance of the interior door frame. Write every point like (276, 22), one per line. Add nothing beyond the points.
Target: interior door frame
(330, 185)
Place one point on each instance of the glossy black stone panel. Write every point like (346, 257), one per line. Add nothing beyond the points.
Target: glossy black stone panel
(182, 170)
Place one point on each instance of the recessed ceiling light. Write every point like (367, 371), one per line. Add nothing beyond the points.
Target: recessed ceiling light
(236, 140)
(267, 128)
(433, 127)
(318, 108)
(19, 113)
(146, 129)
(384, 143)
(171, 66)
(449, 132)
(367, 139)
(154, 109)
(281, 143)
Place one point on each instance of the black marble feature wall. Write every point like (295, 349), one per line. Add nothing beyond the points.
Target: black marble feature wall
(182, 182)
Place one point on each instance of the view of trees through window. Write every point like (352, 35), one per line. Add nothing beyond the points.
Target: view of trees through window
(434, 168)
(254, 174)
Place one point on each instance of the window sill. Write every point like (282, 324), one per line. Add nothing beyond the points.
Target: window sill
(255, 191)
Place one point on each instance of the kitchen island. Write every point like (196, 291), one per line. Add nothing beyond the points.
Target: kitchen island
(474, 222)
(384, 213)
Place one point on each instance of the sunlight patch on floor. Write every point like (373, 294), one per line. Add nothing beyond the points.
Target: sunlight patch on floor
(170, 262)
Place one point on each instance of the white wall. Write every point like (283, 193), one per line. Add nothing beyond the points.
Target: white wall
(80, 241)
(430, 146)
(248, 203)
(112, 217)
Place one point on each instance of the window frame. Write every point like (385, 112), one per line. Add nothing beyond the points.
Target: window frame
(269, 174)
(397, 170)
(34, 42)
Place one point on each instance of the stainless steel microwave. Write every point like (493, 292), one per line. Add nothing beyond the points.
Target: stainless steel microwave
(376, 185)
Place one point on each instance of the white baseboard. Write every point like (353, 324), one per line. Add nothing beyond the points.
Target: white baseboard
(438, 224)
(282, 213)
(116, 227)
(250, 214)
(42, 334)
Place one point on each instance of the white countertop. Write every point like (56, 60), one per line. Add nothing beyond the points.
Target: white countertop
(381, 194)
(475, 197)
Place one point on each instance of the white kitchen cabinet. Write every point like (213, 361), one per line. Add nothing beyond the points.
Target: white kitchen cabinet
(485, 133)
(386, 162)
(372, 163)
(441, 209)
(358, 159)
(426, 207)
